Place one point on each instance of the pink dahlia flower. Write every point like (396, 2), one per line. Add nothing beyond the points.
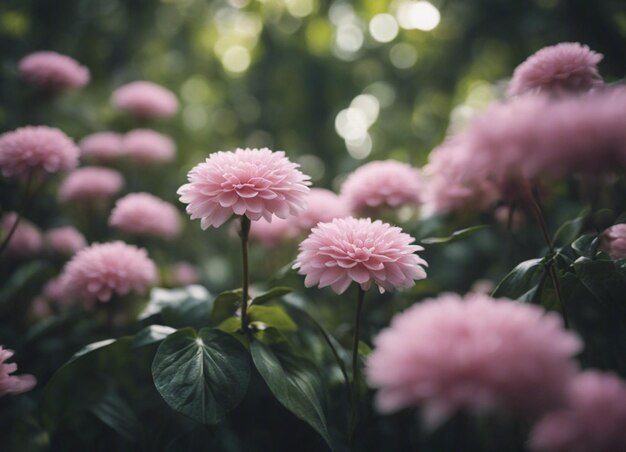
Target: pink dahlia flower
(252, 182)
(13, 384)
(145, 214)
(53, 71)
(594, 418)
(387, 183)
(613, 241)
(185, 273)
(145, 100)
(148, 146)
(476, 353)
(36, 148)
(359, 250)
(65, 240)
(91, 183)
(25, 241)
(106, 269)
(272, 234)
(322, 206)
(568, 67)
(102, 146)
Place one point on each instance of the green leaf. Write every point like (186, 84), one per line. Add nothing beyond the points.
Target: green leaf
(115, 412)
(364, 349)
(225, 305)
(295, 383)
(230, 325)
(151, 335)
(178, 308)
(455, 236)
(603, 279)
(586, 245)
(203, 375)
(523, 282)
(275, 292)
(24, 277)
(569, 231)
(273, 316)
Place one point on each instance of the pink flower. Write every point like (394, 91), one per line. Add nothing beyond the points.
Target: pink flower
(272, 234)
(252, 182)
(322, 206)
(385, 183)
(503, 215)
(13, 384)
(145, 214)
(53, 71)
(65, 240)
(106, 269)
(473, 352)
(594, 418)
(25, 241)
(568, 67)
(90, 183)
(613, 241)
(145, 100)
(55, 290)
(102, 146)
(359, 250)
(148, 146)
(36, 148)
(185, 273)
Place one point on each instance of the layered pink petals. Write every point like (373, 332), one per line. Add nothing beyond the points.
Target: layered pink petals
(322, 206)
(53, 71)
(613, 241)
(90, 183)
(145, 214)
(13, 384)
(148, 146)
(145, 100)
(102, 146)
(65, 240)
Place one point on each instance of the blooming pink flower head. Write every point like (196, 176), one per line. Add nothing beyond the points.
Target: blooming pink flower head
(387, 183)
(359, 250)
(145, 100)
(65, 240)
(25, 241)
(557, 70)
(613, 241)
(472, 352)
(145, 214)
(252, 182)
(185, 273)
(13, 384)
(53, 71)
(102, 146)
(91, 183)
(106, 269)
(272, 234)
(36, 149)
(594, 418)
(148, 146)
(322, 206)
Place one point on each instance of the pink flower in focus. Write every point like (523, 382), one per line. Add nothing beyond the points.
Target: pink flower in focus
(359, 250)
(13, 384)
(102, 146)
(25, 241)
(322, 206)
(145, 214)
(565, 68)
(385, 183)
(106, 269)
(594, 418)
(252, 182)
(472, 352)
(53, 71)
(272, 234)
(148, 146)
(65, 240)
(36, 148)
(185, 273)
(145, 100)
(91, 183)
(613, 241)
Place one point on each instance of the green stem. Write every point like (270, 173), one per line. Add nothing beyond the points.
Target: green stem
(19, 212)
(244, 234)
(355, 366)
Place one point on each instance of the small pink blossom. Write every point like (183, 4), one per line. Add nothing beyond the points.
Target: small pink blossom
(252, 182)
(322, 206)
(185, 273)
(594, 418)
(26, 241)
(272, 234)
(145, 214)
(145, 100)
(148, 146)
(36, 148)
(473, 352)
(359, 250)
(565, 68)
(53, 71)
(65, 240)
(102, 146)
(90, 183)
(13, 384)
(106, 269)
(613, 241)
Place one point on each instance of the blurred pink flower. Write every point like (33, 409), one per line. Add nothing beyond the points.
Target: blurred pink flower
(106, 269)
(473, 352)
(503, 214)
(40, 308)
(613, 241)
(102, 146)
(36, 148)
(55, 290)
(322, 206)
(90, 183)
(148, 146)
(252, 182)
(565, 68)
(65, 240)
(272, 234)
(145, 214)
(387, 183)
(145, 100)
(594, 418)
(26, 240)
(13, 384)
(185, 273)
(359, 250)
(53, 71)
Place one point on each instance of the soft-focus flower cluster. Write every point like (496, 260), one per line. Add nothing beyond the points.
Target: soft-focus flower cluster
(145, 214)
(272, 234)
(12, 384)
(613, 241)
(65, 240)
(90, 183)
(184, 273)
(102, 146)
(145, 100)
(26, 239)
(53, 71)
(148, 146)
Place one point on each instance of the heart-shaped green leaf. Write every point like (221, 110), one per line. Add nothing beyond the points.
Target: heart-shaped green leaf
(273, 293)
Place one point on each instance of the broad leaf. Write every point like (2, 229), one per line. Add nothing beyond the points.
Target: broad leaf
(271, 294)
(603, 279)
(24, 277)
(455, 236)
(570, 230)
(151, 335)
(523, 282)
(178, 308)
(115, 412)
(225, 305)
(273, 316)
(586, 245)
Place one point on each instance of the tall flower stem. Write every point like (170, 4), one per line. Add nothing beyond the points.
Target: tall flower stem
(355, 365)
(19, 212)
(244, 234)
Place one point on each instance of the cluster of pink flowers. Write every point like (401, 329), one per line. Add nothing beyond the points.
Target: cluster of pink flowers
(53, 71)
(90, 183)
(145, 100)
(25, 241)
(145, 214)
(102, 146)
(613, 241)
(12, 384)
(65, 240)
